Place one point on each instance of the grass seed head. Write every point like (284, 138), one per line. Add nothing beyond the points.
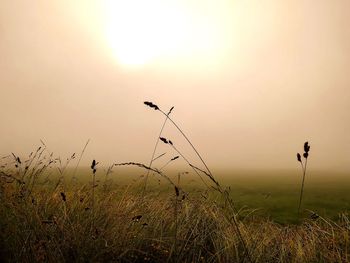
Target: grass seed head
(173, 159)
(298, 157)
(171, 109)
(151, 105)
(164, 140)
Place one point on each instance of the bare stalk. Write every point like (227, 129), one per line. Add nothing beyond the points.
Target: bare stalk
(302, 187)
(188, 140)
(80, 157)
(154, 150)
(93, 167)
(210, 175)
(303, 167)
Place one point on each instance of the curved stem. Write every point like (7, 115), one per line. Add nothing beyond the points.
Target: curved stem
(187, 161)
(188, 140)
(153, 154)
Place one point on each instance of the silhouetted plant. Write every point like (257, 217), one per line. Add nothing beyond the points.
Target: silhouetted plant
(94, 169)
(171, 160)
(150, 104)
(80, 157)
(155, 107)
(303, 167)
(225, 194)
(141, 165)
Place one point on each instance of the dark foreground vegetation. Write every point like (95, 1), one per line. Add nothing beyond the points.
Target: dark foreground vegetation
(115, 223)
(48, 213)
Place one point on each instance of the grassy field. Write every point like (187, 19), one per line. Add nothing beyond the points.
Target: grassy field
(270, 194)
(51, 212)
(276, 194)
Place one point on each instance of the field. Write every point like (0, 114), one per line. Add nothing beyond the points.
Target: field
(276, 193)
(53, 212)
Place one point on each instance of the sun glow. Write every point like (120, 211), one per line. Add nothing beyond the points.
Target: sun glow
(139, 32)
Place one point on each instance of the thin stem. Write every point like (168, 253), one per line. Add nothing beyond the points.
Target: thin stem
(188, 140)
(93, 201)
(302, 186)
(175, 233)
(165, 165)
(235, 221)
(161, 155)
(188, 162)
(154, 152)
(147, 168)
(80, 157)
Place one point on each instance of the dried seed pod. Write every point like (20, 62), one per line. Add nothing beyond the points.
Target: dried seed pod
(171, 109)
(298, 157)
(164, 140)
(151, 105)
(306, 147)
(93, 164)
(173, 159)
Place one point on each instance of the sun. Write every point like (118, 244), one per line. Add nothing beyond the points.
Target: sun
(139, 32)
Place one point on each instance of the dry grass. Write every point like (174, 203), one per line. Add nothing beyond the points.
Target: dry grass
(46, 219)
(44, 224)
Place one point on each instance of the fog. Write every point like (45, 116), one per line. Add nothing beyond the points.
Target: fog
(279, 76)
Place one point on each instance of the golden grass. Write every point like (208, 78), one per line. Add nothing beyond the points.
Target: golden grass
(47, 217)
(126, 227)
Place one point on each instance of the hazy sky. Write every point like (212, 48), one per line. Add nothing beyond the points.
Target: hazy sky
(250, 80)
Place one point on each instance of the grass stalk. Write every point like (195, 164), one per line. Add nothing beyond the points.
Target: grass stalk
(154, 151)
(303, 167)
(302, 187)
(77, 165)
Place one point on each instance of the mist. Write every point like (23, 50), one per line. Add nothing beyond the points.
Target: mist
(281, 78)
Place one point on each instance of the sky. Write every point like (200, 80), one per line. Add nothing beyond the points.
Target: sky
(250, 81)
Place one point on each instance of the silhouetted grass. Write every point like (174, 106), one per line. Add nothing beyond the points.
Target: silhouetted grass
(303, 166)
(47, 227)
(228, 201)
(43, 218)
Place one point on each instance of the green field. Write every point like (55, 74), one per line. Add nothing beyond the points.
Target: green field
(272, 194)
(276, 194)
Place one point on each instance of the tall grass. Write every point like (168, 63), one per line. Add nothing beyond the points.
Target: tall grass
(232, 217)
(43, 218)
(40, 229)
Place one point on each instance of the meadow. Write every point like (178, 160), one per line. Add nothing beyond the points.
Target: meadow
(275, 194)
(55, 210)
(55, 213)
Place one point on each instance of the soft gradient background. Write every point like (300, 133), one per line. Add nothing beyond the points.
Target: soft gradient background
(278, 75)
